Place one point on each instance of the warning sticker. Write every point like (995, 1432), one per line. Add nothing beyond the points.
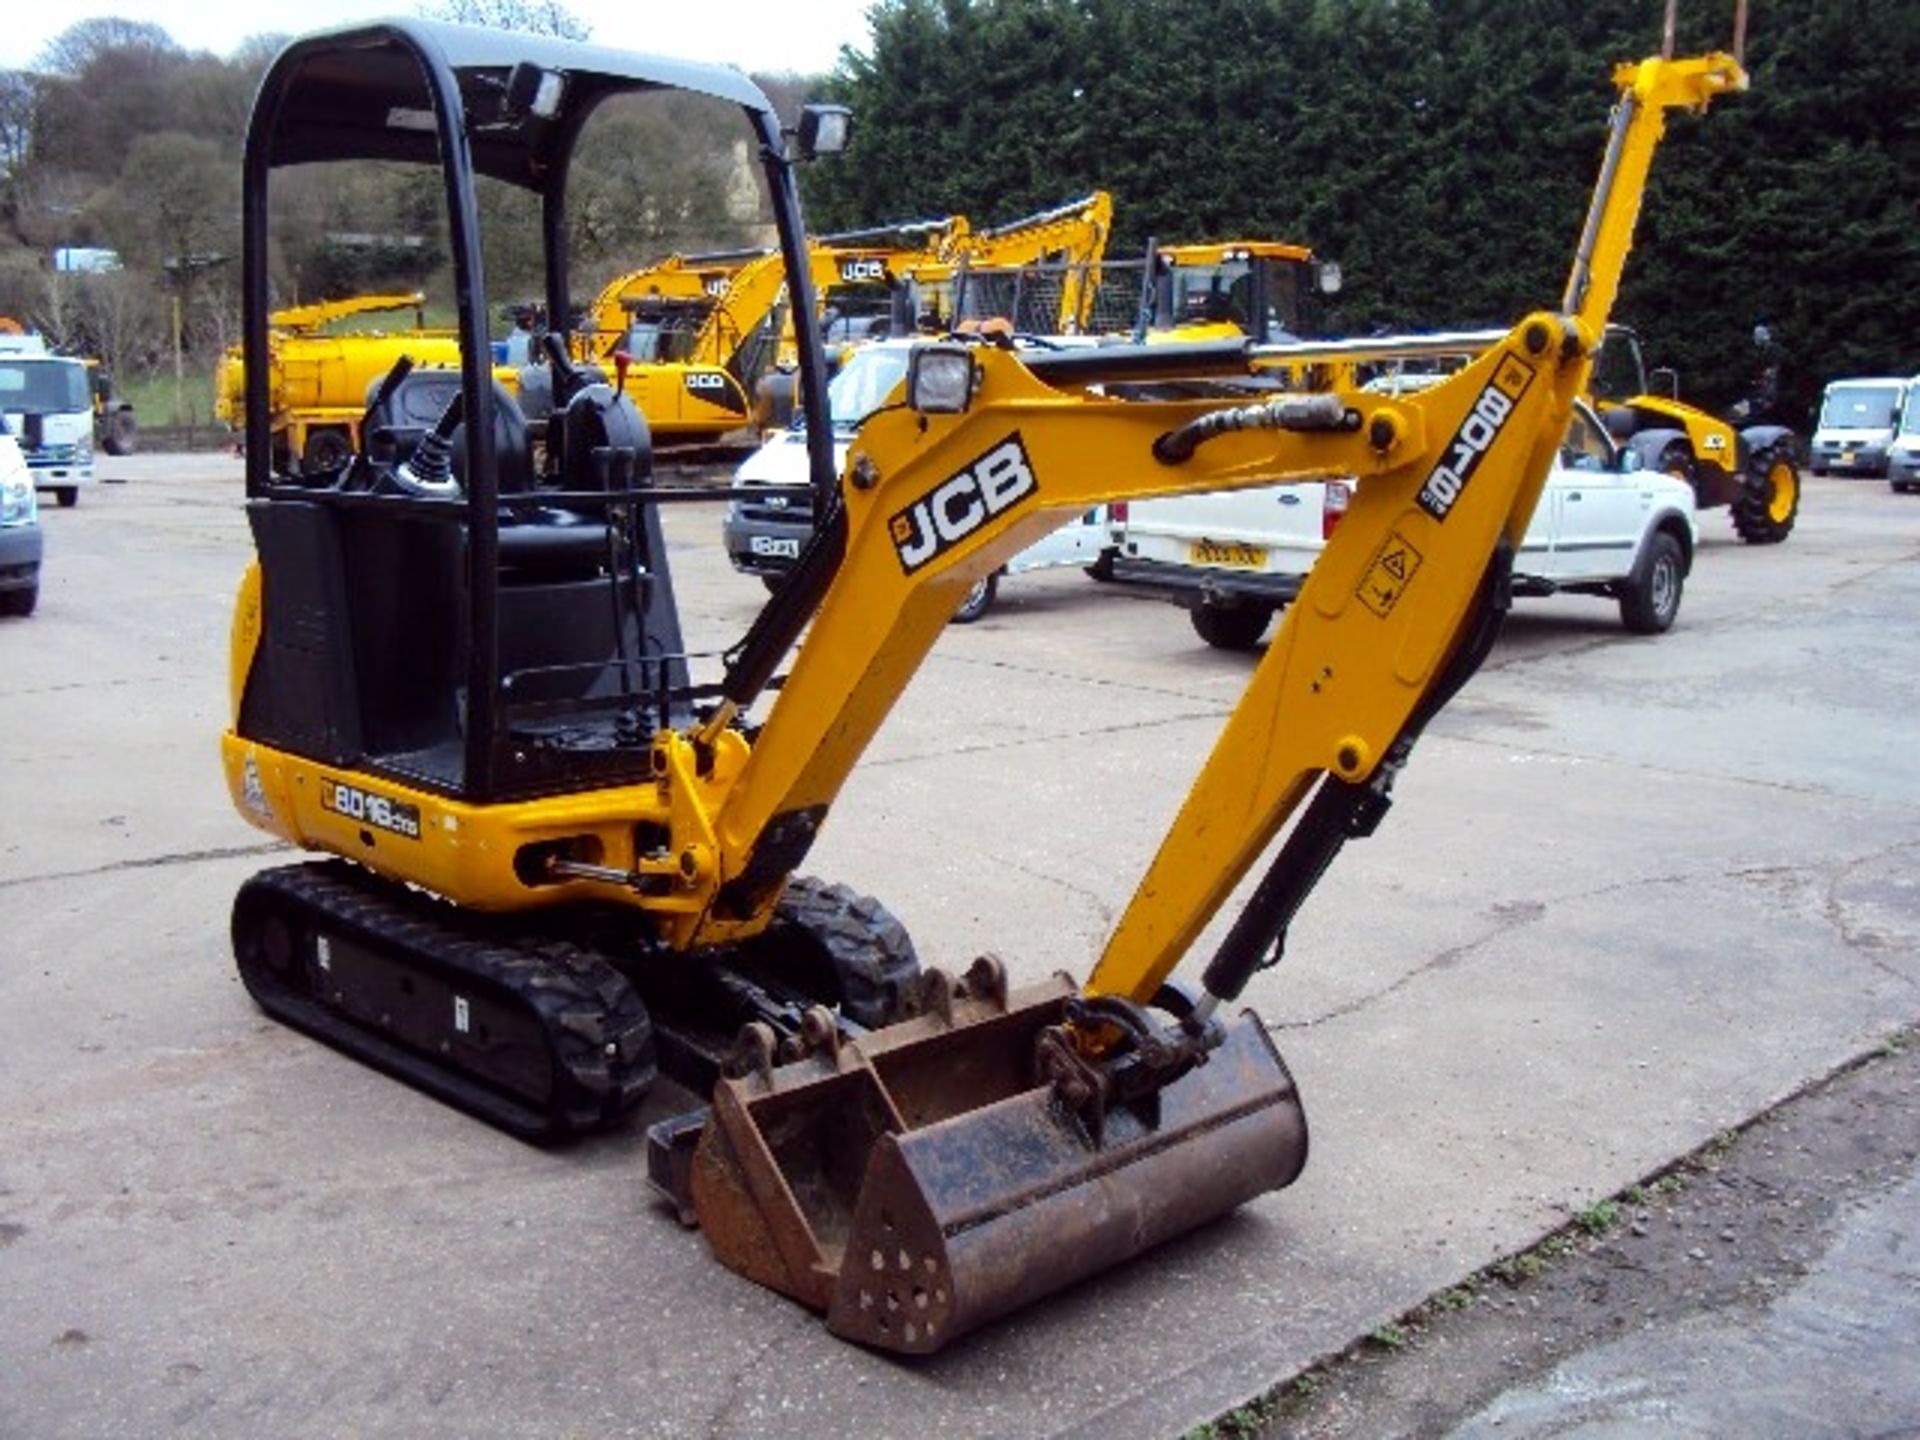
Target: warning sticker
(1387, 578)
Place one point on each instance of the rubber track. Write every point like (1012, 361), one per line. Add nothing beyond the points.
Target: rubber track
(599, 1034)
(870, 954)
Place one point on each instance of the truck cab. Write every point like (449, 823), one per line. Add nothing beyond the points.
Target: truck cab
(46, 403)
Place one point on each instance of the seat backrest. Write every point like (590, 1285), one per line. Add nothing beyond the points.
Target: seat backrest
(395, 427)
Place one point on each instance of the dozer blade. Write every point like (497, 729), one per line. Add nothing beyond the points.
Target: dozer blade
(919, 1181)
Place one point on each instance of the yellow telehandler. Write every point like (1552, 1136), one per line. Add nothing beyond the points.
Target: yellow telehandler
(559, 865)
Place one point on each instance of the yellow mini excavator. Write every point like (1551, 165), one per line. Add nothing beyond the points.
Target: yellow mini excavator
(558, 864)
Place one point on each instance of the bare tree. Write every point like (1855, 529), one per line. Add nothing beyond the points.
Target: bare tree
(533, 17)
(118, 317)
(18, 94)
(80, 44)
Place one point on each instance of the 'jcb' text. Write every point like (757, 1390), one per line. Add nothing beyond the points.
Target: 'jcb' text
(1475, 436)
(855, 271)
(990, 486)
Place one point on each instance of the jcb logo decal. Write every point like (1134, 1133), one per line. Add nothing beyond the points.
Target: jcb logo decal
(940, 520)
(711, 387)
(1475, 436)
(718, 285)
(856, 271)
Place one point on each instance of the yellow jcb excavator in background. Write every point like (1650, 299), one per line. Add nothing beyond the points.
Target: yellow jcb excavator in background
(653, 312)
(1218, 289)
(563, 861)
(698, 388)
(1040, 273)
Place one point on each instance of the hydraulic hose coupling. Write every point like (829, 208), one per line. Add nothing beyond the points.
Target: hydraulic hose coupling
(1283, 412)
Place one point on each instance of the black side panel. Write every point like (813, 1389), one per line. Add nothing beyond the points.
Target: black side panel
(663, 617)
(408, 582)
(303, 694)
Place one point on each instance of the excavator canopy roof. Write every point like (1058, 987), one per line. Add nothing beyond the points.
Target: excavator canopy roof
(361, 92)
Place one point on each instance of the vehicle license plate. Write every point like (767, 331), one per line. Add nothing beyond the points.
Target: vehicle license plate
(774, 547)
(1234, 554)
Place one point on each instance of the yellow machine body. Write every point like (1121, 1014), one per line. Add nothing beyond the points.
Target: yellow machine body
(917, 1180)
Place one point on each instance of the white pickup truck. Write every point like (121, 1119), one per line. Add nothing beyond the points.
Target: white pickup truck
(1604, 526)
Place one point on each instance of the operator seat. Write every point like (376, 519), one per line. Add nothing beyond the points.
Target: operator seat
(395, 426)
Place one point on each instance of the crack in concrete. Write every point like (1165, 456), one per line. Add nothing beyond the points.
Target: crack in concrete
(718, 1425)
(1665, 771)
(1097, 681)
(987, 747)
(1104, 912)
(152, 862)
(1516, 915)
(1836, 912)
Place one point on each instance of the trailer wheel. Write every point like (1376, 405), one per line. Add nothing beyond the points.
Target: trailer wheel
(327, 449)
(1231, 627)
(122, 432)
(1769, 503)
(1677, 460)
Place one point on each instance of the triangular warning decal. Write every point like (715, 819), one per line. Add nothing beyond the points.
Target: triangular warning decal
(1394, 562)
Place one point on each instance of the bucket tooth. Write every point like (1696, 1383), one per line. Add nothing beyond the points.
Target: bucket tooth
(918, 1182)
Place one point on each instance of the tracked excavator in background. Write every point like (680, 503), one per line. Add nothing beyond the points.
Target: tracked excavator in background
(698, 385)
(561, 863)
(1039, 273)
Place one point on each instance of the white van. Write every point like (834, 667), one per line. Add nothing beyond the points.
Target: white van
(1903, 461)
(1858, 419)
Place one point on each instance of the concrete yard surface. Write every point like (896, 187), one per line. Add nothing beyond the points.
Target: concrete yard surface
(1631, 892)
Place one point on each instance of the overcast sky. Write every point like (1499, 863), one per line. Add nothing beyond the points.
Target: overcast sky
(762, 35)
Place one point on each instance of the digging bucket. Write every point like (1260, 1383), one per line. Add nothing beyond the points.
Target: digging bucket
(919, 1181)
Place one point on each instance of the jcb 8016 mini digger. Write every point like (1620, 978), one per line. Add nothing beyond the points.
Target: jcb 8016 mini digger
(561, 863)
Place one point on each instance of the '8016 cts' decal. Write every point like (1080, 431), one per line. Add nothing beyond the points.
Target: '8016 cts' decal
(961, 504)
(1475, 436)
(350, 801)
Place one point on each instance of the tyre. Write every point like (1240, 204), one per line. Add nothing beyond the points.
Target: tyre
(67, 495)
(979, 600)
(1677, 460)
(774, 583)
(19, 602)
(122, 433)
(1231, 627)
(325, 450)
(844, 948)
(1768, 504)
(1651, 598)
(1102, 569)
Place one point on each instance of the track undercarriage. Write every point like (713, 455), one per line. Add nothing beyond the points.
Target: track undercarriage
(547, 1031)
